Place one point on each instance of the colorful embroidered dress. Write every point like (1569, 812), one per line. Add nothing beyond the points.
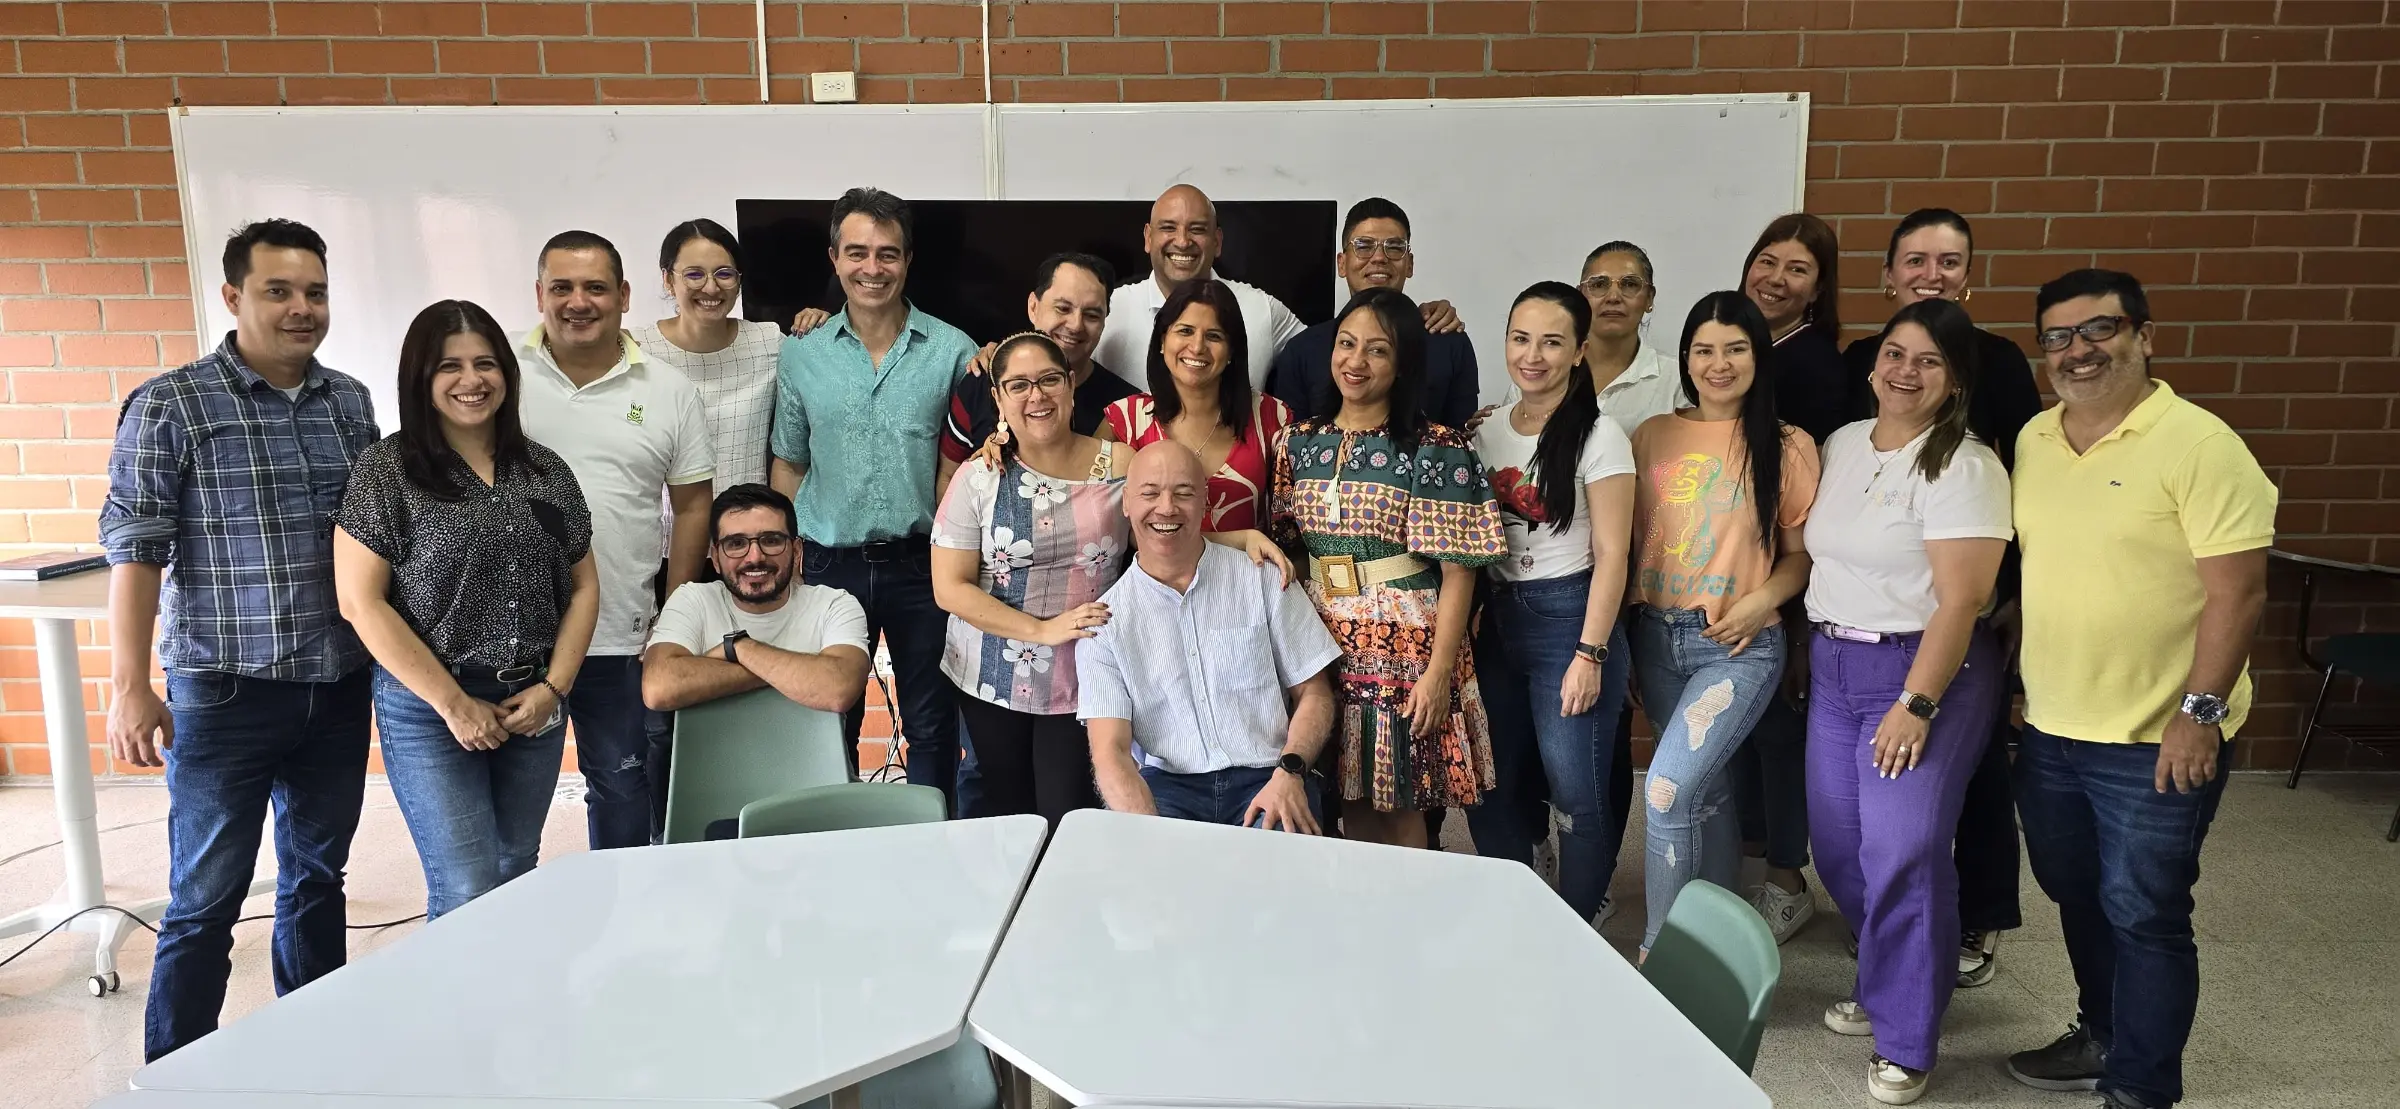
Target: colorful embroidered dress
(1358, 494)
(1048, 544)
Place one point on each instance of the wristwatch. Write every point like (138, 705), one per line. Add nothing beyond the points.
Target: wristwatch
(1293, 764)
(2206, 708)
(1597, 652)
(731, 639)
(1920, 706)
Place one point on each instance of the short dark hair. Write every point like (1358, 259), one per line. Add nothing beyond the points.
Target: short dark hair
(1921, 219)
(1233, 390)
(1046, 274)
(582, 240)
(2094, 283)
(267, 232)
(878, 206)
(698, 229)
(1374, 207)
(751, 494)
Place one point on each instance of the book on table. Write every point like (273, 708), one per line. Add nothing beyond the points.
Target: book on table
(50, 564)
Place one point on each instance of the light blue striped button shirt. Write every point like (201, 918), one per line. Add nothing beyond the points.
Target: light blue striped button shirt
(1201, 674)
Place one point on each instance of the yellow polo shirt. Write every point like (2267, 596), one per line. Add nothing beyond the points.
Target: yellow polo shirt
(2112, 593)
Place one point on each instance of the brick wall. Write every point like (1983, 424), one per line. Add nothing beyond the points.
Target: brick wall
(2241, 156)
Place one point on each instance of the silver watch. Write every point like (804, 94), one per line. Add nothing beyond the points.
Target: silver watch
(2206, 708)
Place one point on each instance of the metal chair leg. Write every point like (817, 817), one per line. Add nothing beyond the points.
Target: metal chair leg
(2308, 728)
(2393, 836)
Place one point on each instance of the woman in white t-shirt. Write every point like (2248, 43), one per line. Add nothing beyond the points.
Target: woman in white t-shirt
(732, 360)
(1555, 659)
(1911, 519)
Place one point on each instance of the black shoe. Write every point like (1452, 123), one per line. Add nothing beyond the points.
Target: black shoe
(2074, 1061)
(2119, 1099)
(1978, 958)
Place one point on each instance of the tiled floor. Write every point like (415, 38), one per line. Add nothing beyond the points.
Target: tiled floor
(2299, 923)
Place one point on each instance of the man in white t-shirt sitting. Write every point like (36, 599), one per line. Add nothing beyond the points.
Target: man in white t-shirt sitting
(755, 626)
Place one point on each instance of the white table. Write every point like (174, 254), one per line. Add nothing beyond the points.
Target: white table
(1196, 964)
(185, 1099)
(54, 606)
(768, 970)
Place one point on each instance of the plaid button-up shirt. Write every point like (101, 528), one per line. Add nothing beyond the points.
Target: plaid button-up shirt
(233, 487)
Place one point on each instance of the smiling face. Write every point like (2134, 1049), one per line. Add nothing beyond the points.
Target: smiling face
(1931, 263)
(1617, 310)
(1181, 237)
(1722, 364)
(870, 262)
(1166, 499)
(1036, 395)
(1912, 379)
(280, 310)
(750, 571)
(1541, 349)
(1196, 349)
(703, 281)
(2089, 373)
(468, 385)
(582, 298)
(1364, 359)
(1073, 312)
(1782, 282)
(1378, 267)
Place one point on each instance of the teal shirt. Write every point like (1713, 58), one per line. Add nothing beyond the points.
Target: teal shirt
(870, 472)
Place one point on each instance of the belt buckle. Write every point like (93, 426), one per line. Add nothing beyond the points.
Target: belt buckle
(1852, 635)
(515, 673)
(877, 551)
(1339, 575)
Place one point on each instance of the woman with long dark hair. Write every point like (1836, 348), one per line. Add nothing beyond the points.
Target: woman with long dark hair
(731, 360)
(462, 555)
(1553, 659)
(1396, 517)
(1723, 489)
(1906, 539)
(1200, 396)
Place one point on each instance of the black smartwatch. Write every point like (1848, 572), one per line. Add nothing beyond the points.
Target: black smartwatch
(1293, 764)
(1597, 652)
(1920, 706)
(731, 639)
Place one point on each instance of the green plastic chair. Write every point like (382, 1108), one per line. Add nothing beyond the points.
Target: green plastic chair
(842, 805)
(1716, 961)
(735, 750)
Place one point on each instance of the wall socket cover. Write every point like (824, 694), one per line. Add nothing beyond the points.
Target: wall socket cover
(833, 88)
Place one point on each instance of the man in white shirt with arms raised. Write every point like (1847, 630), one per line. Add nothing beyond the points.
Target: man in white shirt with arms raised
(1182, 239)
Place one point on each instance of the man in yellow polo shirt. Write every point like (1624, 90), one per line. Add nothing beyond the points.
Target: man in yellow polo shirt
(2144, 523)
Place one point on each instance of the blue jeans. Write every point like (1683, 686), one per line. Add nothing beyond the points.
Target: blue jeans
(893, 582)
(241, 743)
(612, 747)
(2120, 859)
(1217, 797)
(1530, 631)
(1702, 702)
(476, 816)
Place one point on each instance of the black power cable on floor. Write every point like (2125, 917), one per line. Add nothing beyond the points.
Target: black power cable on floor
(153, 930)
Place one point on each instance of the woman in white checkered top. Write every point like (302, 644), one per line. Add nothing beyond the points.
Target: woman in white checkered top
(731, 360)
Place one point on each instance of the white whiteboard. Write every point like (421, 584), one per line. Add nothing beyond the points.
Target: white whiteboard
(419, 204)
(1499, 193)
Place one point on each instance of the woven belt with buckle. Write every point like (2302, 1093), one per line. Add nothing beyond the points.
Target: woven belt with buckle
(1346, 576)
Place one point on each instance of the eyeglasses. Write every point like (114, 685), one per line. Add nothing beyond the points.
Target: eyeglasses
(1598, 285)
(1392, 248)
(1053, 383)
(768, 543)
(2098, 329)
(725, 275)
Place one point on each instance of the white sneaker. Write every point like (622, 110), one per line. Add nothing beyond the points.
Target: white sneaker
(1785, 913)
(1893, 1084)
(1607, 909)
(1846, 1018)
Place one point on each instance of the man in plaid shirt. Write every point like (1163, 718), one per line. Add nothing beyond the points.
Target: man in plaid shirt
(222, 490)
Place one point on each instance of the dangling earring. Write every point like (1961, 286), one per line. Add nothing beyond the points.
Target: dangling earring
(1890, 293)
(1965, 295)
(1000, 430)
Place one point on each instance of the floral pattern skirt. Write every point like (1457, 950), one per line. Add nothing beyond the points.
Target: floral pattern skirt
(1386, 636)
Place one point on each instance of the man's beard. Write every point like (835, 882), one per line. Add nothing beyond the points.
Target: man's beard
(776, 586)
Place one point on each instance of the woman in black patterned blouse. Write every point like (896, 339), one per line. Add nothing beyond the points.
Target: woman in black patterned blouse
(463, 558)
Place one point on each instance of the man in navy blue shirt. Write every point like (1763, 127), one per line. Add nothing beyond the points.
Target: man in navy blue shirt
(1375, 253)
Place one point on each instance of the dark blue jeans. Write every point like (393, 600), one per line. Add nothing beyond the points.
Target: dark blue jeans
(241, 743)
(1217, 797)
(2120, 859)
(1530, 631)
(1770, 783)
(893, 582)
(476, 816)
(612, 747)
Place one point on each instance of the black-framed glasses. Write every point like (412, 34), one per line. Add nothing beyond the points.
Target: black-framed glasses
(1392, 248)
(768, 543)
(1053, 383)
(1599, 284)
(725, 275)
(2098, 329)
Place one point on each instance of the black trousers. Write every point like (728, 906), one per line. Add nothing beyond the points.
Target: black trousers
(1029, 763)
(1986, 849)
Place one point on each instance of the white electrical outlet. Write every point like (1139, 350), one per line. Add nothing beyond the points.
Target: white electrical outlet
(833, 88)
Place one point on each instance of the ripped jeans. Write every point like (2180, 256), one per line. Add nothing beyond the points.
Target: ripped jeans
(1702, 702)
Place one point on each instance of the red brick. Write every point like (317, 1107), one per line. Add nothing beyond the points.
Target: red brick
(277, 56)
(1275, 19)
(1846, 49)
(810, 57)
(146, 315)
(1512, 85)
(26, 351)
(1206, 56)
(731, 19)
(1797, 15)
(102, 350)
(1066, 20)
(2325, 82)
(87, 205)
(2382, 119)
(2318, 13)
(1691, 15)
(320, 18)
(884, 58)
(1274, 88)
(2219, 82)
(1890, 160)
(1523, 55)
(2224, 158)
(2012, 13)
(148, 129)
(744, 90)
(1947, 122)
(2364, 193)
(2112, 83)
(2276, 46)
(2050, 195)
(545, 90)
(2179, 44)
(2078, 47)
(164, 56)
(1039, 59)
(2242, 267)
(1974, 197)
(2100, 232)
(702, 57)
(337, 90)
(1477, 17)
(50, 315)
(1683, 84)
(2298, 304)
(27, 21)
(1837, 124)
(1148, 90)
(1905, 13)
(75, 130)
(2154, 121)
(649, 90)
(2119, 13)
(1638, 53)
(98, 93)
(2270, 119)
(137, 241)
(385, 56)
(2215, 231)
(1331, 55)
(2314, 230)
(1997, 160)
(129, 167)
(1119, 57)
(1587, 17)
(1164, 20)
(20, 278)
(57, 56)
(98, 278)
(110, 18)
(1376, 18)
(2254, 194)
(36, 94)
(1382, 88)
(604, 57)
(897, 90)
(2351, 267)
(1072, 90)
(1900, 86)
(1749, 51)
(969, 90)
(189, 19)
(1832, 198)
(2031, 84)
(1586, 84)
(945, 21)
(441, 19)
(2367, 44)
(548, 19)
(642, 20)
(490, 57)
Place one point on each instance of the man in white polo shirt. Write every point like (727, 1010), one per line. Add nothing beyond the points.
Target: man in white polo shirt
(1182, 239)
(629, 428)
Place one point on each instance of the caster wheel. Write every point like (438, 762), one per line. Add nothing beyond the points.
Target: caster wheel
(114, 983)
(98, 986)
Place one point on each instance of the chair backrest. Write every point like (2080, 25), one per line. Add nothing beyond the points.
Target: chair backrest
(735, 750)
(1716, 961)
(842, 805)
